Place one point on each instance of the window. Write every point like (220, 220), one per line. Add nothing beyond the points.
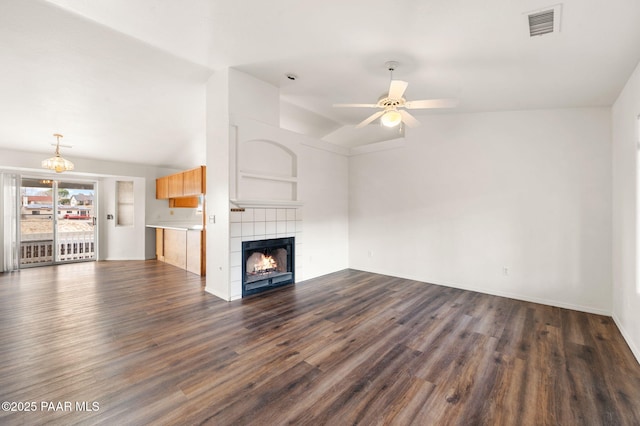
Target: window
(124, 203)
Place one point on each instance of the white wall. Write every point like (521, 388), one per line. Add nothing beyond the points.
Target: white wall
(253, 98)
(471, 194)
(626, 290)
(324, 190)
(135, 242)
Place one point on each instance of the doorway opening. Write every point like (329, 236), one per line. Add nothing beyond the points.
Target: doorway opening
(57, 221)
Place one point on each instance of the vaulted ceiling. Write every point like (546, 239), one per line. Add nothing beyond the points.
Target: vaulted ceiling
(124, 80)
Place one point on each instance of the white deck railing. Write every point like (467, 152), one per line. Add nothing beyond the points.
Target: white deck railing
(37, 251)
(38, 248)
(76, 245)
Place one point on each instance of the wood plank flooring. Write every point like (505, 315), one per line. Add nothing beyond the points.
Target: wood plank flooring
(146, 344)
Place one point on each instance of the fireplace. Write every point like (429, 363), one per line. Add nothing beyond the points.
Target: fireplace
(267, 264)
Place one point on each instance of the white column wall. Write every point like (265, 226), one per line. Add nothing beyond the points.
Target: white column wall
(239, 104)
(217, 198)
(320, 224)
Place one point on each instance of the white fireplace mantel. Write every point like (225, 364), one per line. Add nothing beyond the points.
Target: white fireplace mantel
(259, 204)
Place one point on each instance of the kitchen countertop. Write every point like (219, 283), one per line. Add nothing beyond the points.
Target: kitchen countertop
(180, 226)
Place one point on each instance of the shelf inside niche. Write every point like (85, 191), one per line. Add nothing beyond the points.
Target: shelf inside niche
(266, 203)
(265, 176)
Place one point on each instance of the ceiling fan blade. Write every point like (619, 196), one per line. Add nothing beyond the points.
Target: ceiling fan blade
(355, 105)
(397, 88)
(431, 103)
(369, 119)
(408, 119)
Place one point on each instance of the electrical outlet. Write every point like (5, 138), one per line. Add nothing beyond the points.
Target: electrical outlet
(370, 253)
(505, 270)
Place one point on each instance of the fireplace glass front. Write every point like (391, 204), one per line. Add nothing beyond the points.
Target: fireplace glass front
(267, 264)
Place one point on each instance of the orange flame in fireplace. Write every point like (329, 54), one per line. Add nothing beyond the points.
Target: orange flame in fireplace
(264, 264)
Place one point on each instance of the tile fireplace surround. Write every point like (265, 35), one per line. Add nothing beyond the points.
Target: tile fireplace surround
(261, 224)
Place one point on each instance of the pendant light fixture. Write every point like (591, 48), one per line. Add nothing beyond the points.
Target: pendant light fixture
(57, 163)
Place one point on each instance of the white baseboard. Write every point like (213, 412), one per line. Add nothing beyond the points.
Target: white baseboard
(542, 301)
(217, 294)
(121, 259)
(524, 298)
(627, 338)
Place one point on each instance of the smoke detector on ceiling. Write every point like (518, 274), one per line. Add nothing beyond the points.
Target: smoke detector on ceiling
(544, 21)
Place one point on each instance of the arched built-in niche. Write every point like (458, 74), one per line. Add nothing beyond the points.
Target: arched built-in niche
(267, 171)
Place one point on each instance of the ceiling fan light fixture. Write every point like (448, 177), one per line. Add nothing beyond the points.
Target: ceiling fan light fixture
(388, 112)
(57, 163)
(391, 118)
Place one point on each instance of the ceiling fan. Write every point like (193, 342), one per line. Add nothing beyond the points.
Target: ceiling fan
(391, 105)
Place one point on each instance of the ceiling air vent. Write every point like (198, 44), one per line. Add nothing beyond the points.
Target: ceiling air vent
(544, 21)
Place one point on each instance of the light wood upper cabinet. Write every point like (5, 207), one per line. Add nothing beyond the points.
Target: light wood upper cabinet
(162, 188)
(192, 202)
(182, 189)
(194, 181)
(176, 185)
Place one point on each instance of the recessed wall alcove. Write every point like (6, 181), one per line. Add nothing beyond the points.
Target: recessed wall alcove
(266, 171)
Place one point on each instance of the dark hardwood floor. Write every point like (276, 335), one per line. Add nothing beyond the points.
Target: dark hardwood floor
(146, 344)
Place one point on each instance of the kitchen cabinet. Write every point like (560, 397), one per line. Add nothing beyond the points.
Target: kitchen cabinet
(176, 185)
(160, 244)
(196, 259)
(192, 202)
(182, 189)
(194, 182)
(183, 246)
(175, 247)
(162, 188)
